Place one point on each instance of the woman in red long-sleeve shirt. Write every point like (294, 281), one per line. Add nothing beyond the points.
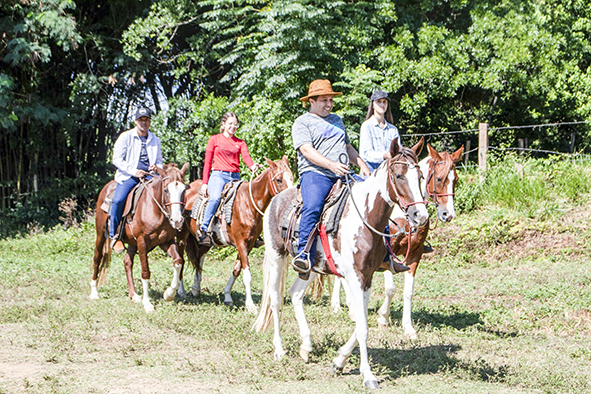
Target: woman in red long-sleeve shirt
(224, 149)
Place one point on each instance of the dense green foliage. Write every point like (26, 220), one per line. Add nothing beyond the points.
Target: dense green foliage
(72, 72)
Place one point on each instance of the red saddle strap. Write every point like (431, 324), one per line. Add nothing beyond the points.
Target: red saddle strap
(325, 246)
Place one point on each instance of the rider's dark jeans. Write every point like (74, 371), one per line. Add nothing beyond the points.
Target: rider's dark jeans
(119, 198)
(315, 188)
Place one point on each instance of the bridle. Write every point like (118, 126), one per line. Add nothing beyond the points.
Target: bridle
(404, 206)
(271, 187)
(434, 195)
(166, 213)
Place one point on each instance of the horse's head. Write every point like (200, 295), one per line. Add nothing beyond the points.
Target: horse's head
(280, 175)
(404, 177)
(441, 181)
(173, 196)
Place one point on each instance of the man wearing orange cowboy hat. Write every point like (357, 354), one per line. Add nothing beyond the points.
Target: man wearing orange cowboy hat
(319, 138)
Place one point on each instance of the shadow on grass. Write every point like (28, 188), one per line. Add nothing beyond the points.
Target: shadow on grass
(392, 364)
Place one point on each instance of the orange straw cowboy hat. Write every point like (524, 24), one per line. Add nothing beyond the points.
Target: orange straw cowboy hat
(319, 87)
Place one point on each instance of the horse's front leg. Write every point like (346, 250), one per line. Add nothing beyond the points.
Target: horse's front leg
(228, 301)
(171, 249)
(389, 290)
(335, 299)
(243, 252)
(128, 263)
(359, 302)
(409, 283)
(142, 248)
(296, 291)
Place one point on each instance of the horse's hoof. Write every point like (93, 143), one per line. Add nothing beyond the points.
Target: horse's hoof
(252, 309)
(278, 356)
(167, 296)
(412, 335)
(196, 293)
(371, 384)
(136, 298)
(335, 370)
(228, 303)
(93, 296)
(383, 327)
(149, 308)
(304, 355)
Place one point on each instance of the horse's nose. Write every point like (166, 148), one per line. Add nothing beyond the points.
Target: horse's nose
(177, 224)
(419, 216)
(444, 216)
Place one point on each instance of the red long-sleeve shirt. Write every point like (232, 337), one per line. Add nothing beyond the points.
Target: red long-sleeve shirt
(225, 153)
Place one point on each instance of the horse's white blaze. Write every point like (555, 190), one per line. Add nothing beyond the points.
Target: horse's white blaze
(415, 187)
(175, 190)
(288, 178)
(450, 199)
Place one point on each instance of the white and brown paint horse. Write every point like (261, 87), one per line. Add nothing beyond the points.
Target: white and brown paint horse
(158, 216)
(357, 250)
(439, 186)
(252, 198)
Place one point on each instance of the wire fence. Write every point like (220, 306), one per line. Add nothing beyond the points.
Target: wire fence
(578, 157)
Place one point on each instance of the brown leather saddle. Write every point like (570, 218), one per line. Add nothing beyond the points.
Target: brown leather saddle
(330, 216)
(224, 211)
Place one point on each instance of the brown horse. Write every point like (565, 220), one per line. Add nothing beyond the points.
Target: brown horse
(158, 216)
(357, 247)
(439, 186)
(252, 198)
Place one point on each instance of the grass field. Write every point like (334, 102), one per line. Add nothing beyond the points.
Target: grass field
(502, 306)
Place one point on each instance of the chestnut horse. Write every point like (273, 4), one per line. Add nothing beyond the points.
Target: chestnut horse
(252, 198)
(439, 186)
(158, 216)
(357, 248)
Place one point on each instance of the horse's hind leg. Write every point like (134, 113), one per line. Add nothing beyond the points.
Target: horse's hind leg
(101, 258)
(389, 289)
(409, 283)
(177, 260)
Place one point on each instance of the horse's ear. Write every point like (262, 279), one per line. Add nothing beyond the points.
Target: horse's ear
(433, 153)
(271, 163)
(457, 155)
(161, 171)
(418, 146)
(185, 168)
(284, 158)
(394, 147)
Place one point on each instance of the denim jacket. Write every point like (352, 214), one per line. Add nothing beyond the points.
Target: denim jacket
(126, 153)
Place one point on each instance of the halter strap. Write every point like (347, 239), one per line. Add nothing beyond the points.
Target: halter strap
(434, 195)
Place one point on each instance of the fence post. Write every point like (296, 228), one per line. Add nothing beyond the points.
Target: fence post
(467, 154)
(482, 147)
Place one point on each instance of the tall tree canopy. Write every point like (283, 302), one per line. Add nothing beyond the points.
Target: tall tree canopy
(72, 72)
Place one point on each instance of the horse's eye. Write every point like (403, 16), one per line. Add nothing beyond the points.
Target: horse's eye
(399, 176)
(166, 191)
(439, 179)
(279, 180)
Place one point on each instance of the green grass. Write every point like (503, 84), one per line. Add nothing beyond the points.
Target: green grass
(502, 306)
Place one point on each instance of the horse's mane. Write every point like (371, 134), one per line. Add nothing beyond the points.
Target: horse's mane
(168, 166)
(407, 153)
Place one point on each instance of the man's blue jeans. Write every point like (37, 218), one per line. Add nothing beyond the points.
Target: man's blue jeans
(119, 199)
(315, 188)
(215, 185)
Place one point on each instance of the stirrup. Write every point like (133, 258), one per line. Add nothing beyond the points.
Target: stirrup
(427, 248)
(117, 246)
(205, 240)
(301, 263)
(396, 267)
